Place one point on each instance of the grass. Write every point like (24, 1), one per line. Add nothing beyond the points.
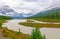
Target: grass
(47, 20)
(40, 25)
(13, 35)
(2, 21)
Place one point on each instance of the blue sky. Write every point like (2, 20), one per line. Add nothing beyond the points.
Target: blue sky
(30, 6)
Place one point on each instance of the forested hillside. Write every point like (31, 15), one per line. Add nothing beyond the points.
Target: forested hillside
(47, 15)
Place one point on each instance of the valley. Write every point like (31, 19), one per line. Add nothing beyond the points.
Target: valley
(22, 28)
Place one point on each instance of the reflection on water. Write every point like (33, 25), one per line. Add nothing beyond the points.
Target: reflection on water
(50, 33)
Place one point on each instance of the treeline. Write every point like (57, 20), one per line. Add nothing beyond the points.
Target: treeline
(5, 18)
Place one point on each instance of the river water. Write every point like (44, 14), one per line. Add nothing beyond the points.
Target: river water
(50, 33)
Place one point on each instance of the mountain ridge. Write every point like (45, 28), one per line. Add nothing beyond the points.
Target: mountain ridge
(44, 13)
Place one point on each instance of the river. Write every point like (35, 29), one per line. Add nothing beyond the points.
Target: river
(50, 33)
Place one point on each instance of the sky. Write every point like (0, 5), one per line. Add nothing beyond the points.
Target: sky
(30, 6)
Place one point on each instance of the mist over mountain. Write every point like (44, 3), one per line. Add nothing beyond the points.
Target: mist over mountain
(52, 12)
(7, 11)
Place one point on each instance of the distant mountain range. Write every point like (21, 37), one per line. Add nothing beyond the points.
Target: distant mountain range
(7, 11)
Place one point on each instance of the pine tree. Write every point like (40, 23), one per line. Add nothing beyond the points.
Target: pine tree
(36, 34)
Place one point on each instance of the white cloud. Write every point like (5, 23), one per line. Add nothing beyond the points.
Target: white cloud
(2, 3)
(29, 6)
(24, 11)
(56, 3)
(21, 5)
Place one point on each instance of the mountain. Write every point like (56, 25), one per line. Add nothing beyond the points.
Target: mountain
(7, 11)
(54, 13)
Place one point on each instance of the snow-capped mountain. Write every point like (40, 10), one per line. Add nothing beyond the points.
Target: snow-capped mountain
(7, 11)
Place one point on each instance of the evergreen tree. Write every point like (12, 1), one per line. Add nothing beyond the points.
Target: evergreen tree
(36, 34)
